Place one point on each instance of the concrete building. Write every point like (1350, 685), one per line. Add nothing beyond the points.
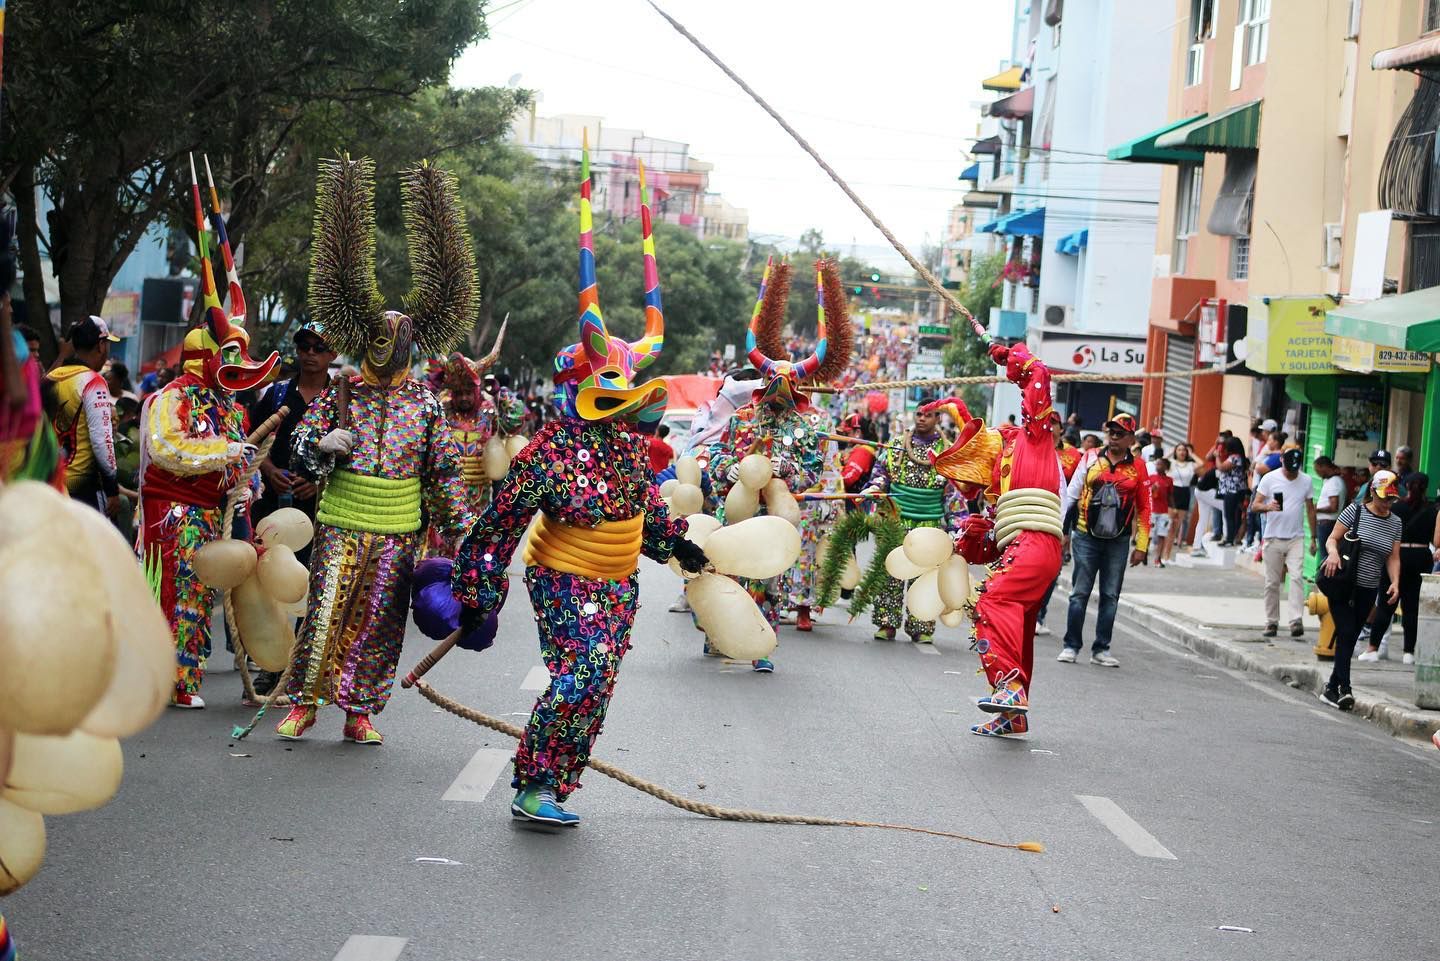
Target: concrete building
(724, 220)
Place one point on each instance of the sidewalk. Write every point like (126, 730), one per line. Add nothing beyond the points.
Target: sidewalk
(1220, 614)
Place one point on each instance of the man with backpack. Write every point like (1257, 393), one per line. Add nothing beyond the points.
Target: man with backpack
(1112, 501)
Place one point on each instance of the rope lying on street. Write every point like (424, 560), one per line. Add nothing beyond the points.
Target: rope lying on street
(696, 807)
(1001, 378)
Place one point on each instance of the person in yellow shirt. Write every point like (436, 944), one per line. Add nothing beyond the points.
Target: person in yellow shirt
(83, 417)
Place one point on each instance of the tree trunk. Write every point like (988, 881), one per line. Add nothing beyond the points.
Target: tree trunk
(479, 336)
(37, 309)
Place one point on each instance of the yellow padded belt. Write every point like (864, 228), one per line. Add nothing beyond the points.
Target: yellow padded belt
(609, 552)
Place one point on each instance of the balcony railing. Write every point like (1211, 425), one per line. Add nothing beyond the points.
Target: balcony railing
(1408, 176)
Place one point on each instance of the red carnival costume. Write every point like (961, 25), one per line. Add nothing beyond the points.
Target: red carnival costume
(192, 453)
(1017, 470)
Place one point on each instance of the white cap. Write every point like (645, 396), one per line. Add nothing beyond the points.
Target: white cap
(1268, 424)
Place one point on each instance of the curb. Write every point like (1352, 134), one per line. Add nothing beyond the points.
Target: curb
(1393, 716)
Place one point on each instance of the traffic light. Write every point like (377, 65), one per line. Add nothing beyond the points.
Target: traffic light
(858, 290)
(875, 277)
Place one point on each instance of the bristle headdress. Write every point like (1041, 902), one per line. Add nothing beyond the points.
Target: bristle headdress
(344, 299)
(443, 298)
(830, 296)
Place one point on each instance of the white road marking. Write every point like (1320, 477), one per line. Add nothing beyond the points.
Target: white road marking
(537, 680)
(371, 947)
(925, 648)
(1325, 714)
(1124, 827)
(479, 775)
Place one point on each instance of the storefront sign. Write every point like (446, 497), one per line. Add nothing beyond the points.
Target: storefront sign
(1093, 355)
(1287, 336)
(122, 313)
(1359, 418)
(1367, 358)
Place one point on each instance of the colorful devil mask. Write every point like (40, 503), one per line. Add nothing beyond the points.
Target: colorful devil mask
(595, 379)
(782, 377)
(218, 350)
(344, 299)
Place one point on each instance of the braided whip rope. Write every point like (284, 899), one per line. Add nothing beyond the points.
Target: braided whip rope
(696, 807)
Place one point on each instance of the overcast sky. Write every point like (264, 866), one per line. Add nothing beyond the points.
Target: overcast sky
(885, 91)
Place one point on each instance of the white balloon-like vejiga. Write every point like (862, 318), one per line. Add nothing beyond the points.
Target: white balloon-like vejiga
(287, 526)
(514, 444)
(687, 470)
(265, 630)
(22, 845)
(952, 618)
(928, 547)
(225, 563)
(779, 502)
(283, 577)
(899, 566)
(57, 640)
(687, 499)
(495, 458)
(741, 504)
(729, 617)
(755, 471)
(923, 597)
(850, 574)
(668, 487)
(701, 527)
(954, 582)
(761, 547)
(62, 775)
(144, 676)
(7, 751)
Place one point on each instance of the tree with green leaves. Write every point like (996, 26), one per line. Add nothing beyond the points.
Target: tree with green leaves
(966, 354)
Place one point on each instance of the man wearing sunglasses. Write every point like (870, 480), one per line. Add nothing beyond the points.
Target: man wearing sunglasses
(1112, 498)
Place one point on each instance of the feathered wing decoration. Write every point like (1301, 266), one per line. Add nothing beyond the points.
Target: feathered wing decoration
(838, 331)
(443, 299)
(344, 298)
(770, 323)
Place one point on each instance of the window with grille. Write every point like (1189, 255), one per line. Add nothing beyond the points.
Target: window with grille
(1187, 213)
(1255, 19)
(1432, 15)
(1424, 256)
(1239, 258)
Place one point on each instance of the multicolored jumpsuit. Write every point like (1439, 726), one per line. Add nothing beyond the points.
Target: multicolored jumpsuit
(471, 430)
(599, 511)
(789, 440)
(367, 534)
(816, 517)
(189, 461)
(924, 499)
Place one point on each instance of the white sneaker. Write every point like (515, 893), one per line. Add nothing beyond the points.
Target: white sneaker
(1103, 659)
(1066, 655)
(1041, 630)
(1369, 657)
(1407, 659)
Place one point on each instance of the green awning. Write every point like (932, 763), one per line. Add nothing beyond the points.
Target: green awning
(1235, 129)
(1143, 150)
(1405, 321)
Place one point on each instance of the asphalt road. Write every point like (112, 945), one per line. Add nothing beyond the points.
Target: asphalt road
(1172, 796)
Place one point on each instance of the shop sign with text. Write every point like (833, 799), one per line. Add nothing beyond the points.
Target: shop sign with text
(1093, 355)
(1368, 358)
(1287, 336)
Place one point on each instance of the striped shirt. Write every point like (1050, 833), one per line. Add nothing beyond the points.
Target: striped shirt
(1377, 536)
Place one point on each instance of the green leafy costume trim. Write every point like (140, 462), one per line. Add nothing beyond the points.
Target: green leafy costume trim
(889, 533)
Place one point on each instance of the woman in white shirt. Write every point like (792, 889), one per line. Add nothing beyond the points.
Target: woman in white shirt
(1182, 471)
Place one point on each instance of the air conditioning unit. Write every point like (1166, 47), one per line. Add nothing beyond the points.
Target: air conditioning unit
(1333, 251)
(1057, 315)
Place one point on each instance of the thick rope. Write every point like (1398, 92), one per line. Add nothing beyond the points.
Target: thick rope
(696, 807)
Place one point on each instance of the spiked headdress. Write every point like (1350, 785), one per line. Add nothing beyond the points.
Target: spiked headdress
(344, 297)
(595, 378)
(217, 350)
(462, 372)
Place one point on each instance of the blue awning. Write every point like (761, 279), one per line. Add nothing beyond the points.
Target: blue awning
(1073, 243)
(971, 173)
(1019, 223)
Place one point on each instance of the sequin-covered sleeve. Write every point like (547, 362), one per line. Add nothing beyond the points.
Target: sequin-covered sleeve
(176, 448)
(661, 531)
(723, 455)
(880, 473)
(320, 419)
(442, 489)
(955, 509)
(479, 579)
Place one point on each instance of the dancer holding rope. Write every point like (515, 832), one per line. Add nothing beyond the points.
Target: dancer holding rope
(588, 474)
(193, 451)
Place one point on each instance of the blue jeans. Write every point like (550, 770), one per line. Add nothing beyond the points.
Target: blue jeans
(1045, 603)
(1107, 559)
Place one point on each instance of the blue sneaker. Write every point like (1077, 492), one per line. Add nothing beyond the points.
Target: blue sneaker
(536, 803)
(762, 666)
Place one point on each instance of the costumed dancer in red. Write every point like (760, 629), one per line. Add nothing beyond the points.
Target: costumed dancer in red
(1018, 535)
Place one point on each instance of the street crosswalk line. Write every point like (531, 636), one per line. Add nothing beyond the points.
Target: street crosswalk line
(371, 947)
(475, 782)
(537, 680)
(926, 648)
(1124, 827)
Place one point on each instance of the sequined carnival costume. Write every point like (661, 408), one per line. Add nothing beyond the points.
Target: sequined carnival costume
(1017, 471)
(474, 415)
(801, 582)
(587, 473)
(923, 498)
(378, 441)
(780, 422)
(192, 454)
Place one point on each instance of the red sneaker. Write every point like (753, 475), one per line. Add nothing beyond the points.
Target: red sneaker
(802, 620)
(359, 729)
(190, 701)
